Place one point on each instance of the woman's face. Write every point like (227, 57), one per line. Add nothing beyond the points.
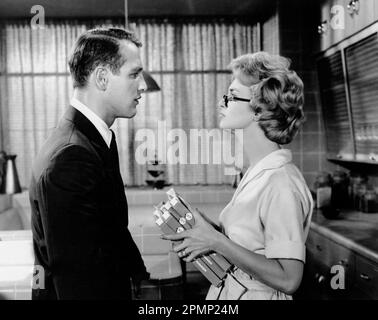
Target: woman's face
(237, 114)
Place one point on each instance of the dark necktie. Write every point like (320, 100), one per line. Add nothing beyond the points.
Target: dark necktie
(114, 152)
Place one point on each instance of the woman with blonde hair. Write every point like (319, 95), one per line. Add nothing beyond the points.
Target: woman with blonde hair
(265, 225)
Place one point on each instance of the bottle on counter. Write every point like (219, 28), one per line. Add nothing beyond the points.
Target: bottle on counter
(339, 196)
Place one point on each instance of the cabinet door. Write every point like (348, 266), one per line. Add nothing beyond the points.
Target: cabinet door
(314, 285)
(367, 277)
(331, 254)
(335, 265)
(362, 70)
(335, 110)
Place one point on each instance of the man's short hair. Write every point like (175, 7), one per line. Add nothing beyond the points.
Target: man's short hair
(98, 47)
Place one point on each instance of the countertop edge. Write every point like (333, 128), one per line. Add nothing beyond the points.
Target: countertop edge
(344, 241)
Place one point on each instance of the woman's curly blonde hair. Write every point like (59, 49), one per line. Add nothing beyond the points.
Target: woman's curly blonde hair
(278, 98)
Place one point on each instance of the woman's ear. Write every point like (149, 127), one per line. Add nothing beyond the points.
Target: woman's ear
(256, 116)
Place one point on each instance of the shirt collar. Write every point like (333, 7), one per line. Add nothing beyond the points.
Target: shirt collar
(273, 160)
(99, 124)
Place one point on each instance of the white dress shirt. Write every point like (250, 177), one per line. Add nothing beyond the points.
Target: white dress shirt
(270, 212)
(100, 124)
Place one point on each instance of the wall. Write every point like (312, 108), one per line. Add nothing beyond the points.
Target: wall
(270, 33)
(300, 41)
(367, 14)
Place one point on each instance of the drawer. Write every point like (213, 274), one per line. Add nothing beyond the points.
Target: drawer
(367, 277)
(329, 254)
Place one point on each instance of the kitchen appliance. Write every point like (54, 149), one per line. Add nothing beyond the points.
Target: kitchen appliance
(156, 173)
(10, 183)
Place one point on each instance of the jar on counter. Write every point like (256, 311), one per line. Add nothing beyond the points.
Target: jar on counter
(359, 196)
(369, 201)
(323, 189)
(357, 187)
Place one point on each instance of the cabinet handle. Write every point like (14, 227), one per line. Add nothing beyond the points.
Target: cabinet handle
(323, 27)
(353, 7)
(343, 262)
(319, 278)
(319, 247)
(364, 277)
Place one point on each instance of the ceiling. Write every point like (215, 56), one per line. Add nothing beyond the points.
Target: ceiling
(136, 8)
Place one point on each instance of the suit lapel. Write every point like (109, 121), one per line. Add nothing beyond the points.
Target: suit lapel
(116, 188)
(89, 130)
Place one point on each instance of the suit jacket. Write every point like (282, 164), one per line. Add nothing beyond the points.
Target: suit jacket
(80, 216)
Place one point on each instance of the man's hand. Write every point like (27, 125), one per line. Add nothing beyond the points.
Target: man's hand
(136, 280)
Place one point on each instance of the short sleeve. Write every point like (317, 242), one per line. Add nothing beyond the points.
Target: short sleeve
(282, 217)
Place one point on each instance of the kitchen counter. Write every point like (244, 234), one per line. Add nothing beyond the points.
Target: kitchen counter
(354, 230)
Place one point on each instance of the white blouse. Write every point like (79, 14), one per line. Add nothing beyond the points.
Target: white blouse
(270, 212)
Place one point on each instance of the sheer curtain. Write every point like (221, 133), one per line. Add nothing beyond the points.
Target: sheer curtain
(189, 61)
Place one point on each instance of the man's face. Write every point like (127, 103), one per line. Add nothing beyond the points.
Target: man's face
(124, 89)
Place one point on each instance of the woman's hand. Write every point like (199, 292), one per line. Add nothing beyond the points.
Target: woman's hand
(199, 240)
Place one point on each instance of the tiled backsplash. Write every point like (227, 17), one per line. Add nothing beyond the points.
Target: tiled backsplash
(193, 194)
(147, 196)
(141, 200)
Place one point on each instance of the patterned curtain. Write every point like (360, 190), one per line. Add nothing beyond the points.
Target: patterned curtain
(188, 60)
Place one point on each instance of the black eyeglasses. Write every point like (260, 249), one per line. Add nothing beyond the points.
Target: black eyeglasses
(226, 99)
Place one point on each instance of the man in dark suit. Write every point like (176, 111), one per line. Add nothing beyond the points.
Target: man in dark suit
(79, 207)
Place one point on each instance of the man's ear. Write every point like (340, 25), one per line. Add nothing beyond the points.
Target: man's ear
(101, 75)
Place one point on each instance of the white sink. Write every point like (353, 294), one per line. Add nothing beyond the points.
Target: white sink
(16, 269)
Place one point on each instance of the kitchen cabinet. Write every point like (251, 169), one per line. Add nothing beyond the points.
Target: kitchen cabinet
(324, 258)
(339, 136)
(348, 82)
(353, 23)
(362, 69)
(367, 277)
